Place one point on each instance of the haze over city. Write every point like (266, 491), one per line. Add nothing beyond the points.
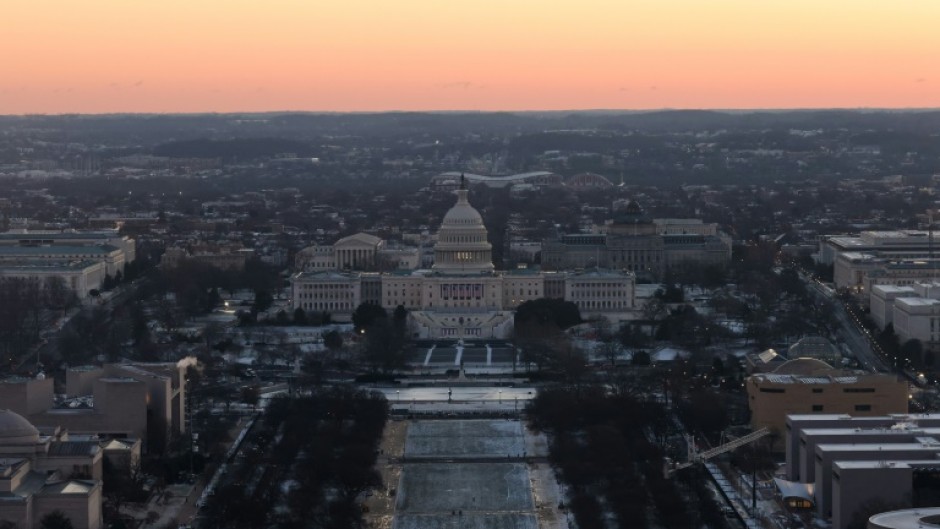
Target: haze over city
(516, 264)
(104, 56)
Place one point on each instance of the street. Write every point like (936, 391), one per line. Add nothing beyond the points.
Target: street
(851, 331)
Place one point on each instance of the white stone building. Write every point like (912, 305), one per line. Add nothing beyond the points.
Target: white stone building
(913, 310)
(33, 238)
(898, 245)
(881, 303)
(112, 257)
(462, 295)
(918, 319)
(81, 277)
(334, 292)
(359, 251)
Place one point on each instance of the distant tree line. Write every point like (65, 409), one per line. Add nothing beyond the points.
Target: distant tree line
(233, 149)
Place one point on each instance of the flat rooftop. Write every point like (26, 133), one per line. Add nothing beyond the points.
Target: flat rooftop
(918, 302)
(908, 463)
(880, 447)
(27, 251)
(47, 266)
(870, 431)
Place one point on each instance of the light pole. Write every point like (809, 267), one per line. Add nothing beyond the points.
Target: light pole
(500, 399)
(398, 395)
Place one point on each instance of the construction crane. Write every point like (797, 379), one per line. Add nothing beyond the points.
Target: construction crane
(695, 457)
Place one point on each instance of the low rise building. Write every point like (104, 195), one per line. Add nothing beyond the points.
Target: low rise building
(42, 472)
(361, 251)
(112, 257)
(918, 319)
(773, 396)
(34, 238)
(79, 277)
(854, 461)
(222, 256)
(827, 455)
(895, 244)
(632, 241)
(128, 401)
(881, 302)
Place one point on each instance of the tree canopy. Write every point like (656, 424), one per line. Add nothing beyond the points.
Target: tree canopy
(55, 520)
(558, 312)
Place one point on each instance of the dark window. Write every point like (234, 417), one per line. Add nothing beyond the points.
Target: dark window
(817, 390)
(817, 407)
(863, 407)
(772, 390)
(859, 390)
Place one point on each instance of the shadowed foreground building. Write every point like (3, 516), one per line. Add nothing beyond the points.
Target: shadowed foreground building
(43, 471)
(127, 401)
(853, 465)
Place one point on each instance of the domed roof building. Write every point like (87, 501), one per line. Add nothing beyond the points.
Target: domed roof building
(804, 366)
(462, 295)
(632, 220)
(462, 245)
(816, 347)
(44, 473)
(16, 430)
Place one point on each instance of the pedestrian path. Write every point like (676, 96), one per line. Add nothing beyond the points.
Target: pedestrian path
(737, 502)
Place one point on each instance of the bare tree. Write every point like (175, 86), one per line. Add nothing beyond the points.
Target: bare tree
(57, 295)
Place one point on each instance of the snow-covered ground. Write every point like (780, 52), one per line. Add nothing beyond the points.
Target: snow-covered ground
(461, 439)
(467, 494)
(491, 395)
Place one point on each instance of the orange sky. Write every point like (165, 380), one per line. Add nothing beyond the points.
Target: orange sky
(256, 55)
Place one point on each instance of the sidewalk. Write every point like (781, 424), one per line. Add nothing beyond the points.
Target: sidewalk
(189, 509)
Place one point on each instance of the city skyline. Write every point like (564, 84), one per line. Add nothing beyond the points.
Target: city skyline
(107, 56)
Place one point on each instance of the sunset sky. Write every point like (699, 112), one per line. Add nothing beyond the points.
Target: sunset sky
(63, 56)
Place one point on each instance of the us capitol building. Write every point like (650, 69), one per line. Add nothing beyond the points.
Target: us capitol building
(462, 295)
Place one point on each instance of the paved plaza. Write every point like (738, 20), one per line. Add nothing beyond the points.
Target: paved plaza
(465, 439)
(440, 492)
(470, 487)
(467, 521)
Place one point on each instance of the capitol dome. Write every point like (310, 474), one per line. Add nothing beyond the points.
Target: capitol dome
(462, 214)
(15, 429)
(462, 245)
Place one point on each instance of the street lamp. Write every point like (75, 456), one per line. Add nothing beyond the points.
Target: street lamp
(398, 395)
(500, 392)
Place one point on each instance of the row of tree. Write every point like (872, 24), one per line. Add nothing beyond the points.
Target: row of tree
(325, 445)
(25, 309)
(600, 445)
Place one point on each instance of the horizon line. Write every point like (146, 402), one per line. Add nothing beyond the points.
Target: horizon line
(740, 110)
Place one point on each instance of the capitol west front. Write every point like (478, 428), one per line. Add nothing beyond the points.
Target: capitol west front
(462, 295)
